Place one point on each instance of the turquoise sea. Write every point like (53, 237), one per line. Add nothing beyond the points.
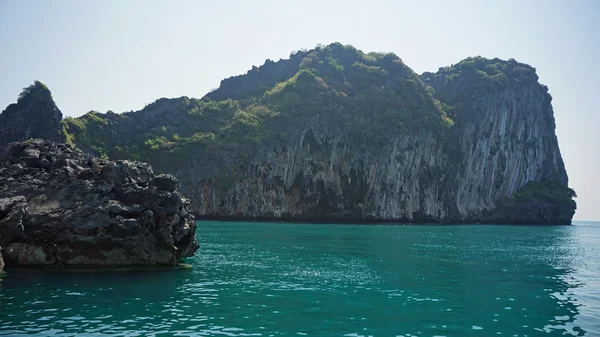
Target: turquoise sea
(285, 279)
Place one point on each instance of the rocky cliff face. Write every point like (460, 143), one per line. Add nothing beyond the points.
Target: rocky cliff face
(62, 208)
(33, 116)
(505, 126)
(337, 134)
(502, 139)
(505, 142)
(320, 175)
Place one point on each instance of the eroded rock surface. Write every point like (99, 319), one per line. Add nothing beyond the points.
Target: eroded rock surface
(62, 208)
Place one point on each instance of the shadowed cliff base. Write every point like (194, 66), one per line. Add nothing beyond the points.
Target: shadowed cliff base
(362, 221)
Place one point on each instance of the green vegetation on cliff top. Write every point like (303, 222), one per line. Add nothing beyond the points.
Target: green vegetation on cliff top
(476, 77)
(371, 96)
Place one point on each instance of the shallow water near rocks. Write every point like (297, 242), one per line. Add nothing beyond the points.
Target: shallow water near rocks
(282, 279)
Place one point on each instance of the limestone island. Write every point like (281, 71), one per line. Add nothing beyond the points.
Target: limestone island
(333, 134)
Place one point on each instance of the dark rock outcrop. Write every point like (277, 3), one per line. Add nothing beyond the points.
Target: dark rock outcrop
(62, 208)
(531, 213)
(35, 115)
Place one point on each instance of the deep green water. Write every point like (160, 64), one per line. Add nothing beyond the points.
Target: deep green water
(269, 279)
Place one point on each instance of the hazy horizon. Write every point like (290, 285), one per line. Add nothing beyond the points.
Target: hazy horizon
(120, 56)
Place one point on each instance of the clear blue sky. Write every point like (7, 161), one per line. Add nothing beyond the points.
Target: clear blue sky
(120, 55)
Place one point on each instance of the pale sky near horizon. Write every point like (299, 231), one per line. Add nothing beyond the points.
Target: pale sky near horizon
(121, 55)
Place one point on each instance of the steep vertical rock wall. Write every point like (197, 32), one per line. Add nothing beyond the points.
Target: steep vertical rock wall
(507, 141)
(503, 138)
(321, 174)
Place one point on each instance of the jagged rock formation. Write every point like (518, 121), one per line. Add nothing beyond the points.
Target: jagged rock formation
(337, 134)
(62, 208)
(33, 116)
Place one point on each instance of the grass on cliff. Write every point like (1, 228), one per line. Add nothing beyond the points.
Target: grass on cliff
(549, 192)
(372, 96)
(87, 130)
(476, 77)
